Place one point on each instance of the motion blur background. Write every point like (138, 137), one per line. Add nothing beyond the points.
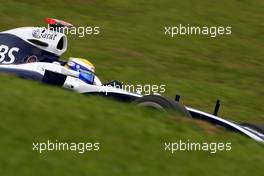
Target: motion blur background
(133, 48)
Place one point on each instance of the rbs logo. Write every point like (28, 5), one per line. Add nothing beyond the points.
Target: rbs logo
(5, 51)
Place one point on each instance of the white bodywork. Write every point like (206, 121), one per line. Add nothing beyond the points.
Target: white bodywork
(52, 38)
(72, 81)
(247, 131)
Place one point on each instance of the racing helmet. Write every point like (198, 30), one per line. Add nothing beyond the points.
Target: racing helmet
(85, 67)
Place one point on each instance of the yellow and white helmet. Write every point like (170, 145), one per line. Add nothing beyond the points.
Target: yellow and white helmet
(79, 64)
(85, 67)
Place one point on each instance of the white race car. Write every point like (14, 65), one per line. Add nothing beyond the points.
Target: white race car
(33, 53)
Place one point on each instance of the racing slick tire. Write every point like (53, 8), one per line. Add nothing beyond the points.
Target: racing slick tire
(162, 103)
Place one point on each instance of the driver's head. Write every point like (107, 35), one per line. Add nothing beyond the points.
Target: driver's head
(80, 64)
(83, 66)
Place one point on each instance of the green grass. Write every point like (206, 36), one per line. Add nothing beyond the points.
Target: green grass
(132, 48)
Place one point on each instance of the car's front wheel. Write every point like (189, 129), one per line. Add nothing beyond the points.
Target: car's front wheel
(161, 103)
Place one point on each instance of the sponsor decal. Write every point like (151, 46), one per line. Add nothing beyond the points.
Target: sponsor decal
(36, 33)
(71, 64)
(32, 59)
(42, 33)
(7, 54)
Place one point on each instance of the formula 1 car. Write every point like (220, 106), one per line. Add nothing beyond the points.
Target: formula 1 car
(34, 53)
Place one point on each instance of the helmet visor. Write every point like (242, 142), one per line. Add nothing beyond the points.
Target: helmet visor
(87, 77)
